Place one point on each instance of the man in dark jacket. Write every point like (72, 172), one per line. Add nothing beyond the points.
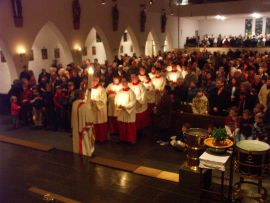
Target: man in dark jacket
(219, 99)
(163, 114)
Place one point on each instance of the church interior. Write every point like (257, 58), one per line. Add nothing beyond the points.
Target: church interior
(134, 101)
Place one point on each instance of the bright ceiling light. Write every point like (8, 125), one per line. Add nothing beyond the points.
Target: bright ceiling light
(181, 2)
(219, 17)
(256, 15)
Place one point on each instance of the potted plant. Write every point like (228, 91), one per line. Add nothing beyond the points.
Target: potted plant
(219, 136)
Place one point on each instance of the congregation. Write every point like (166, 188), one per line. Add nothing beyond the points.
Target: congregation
(235, 85)
(257, 40)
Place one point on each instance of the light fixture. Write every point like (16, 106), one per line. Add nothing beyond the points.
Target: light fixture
(151, 2)
(103, 2)
(219, 17)
(21, 51)
(77, 48)
(256, 15)
(181, 2)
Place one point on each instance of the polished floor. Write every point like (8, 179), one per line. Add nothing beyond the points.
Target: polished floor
(60, 171)
(74, 177)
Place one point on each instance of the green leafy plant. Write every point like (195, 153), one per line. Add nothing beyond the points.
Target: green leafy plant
(219, 134)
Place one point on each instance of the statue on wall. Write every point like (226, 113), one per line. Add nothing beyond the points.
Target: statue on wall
(17, 12)
(115, 17)
(163, 21)
(76, 11)
(142, 17)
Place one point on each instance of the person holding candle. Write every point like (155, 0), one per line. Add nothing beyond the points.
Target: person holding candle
(98, 100)
(173, 75)
(112, 90)
(159, 83)
(125, 101)
(138, 88)
(82, 125)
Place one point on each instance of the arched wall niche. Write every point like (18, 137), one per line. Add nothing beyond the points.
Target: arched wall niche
(152, 45)
(7, 69)
(51, 39)
(168, 44)
(130, 45)
(97, 46)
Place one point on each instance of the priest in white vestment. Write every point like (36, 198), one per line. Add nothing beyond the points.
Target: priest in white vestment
(138, 88)
(125, 101)
(112, 90)
(82, 126)
(98, 102)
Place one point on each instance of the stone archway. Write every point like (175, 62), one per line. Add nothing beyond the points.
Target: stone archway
(129, 43)
(167, 46)
(50, 38)
(97, 46)
(7, 70)
(150, 45)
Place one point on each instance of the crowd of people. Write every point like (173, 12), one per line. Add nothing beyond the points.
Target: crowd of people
(133, 93)
(257, 40)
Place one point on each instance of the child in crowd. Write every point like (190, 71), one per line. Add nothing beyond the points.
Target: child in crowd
(15, 110)
(38, 107)
(246, 124)
(258, 130)
(232, 122)
(200, 103)
(179, 141)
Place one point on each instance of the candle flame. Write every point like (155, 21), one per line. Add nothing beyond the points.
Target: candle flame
(90, 70)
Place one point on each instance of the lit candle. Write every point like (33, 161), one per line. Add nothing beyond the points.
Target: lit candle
(122, 99)
(173, 77)
(90, 77)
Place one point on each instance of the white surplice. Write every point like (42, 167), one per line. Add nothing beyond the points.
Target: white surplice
(140, 92)
(126, 98)
(99, 104)
(112, 90)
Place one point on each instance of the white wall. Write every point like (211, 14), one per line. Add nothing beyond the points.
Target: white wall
(126, 45)
(5, 79)
(187, 29)
(227, 27)
(150, 45)
(100, 50)
(48, 39)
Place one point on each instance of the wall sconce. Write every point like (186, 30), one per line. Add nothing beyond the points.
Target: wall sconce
(77, 49)
(21, 51)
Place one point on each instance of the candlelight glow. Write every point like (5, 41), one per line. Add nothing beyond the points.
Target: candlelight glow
(173, 77)
(94, 94)
(91, 70)
(122, 99)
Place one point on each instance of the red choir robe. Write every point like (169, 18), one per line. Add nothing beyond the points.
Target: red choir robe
(159, 83)
(126, 116)
(82, 128)
(150, 98)
(112, 90)
(142, 119)
(99, 106)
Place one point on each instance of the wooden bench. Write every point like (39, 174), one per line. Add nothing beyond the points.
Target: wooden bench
(196, 120)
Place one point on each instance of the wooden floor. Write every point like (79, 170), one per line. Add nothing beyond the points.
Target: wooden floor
(117, 173)
(75, 178)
